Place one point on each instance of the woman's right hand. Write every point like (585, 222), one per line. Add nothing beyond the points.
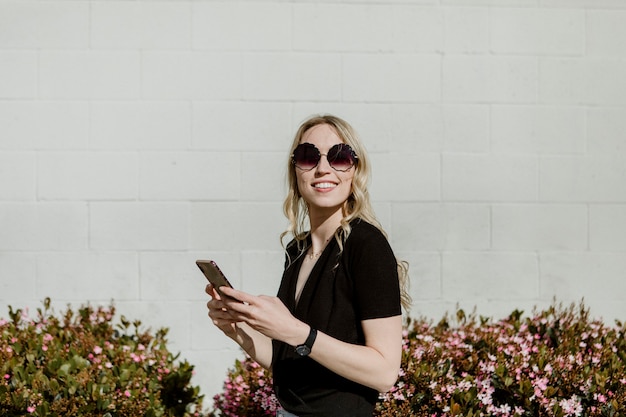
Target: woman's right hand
(219, 314)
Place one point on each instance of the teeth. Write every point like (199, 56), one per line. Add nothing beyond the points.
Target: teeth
(324, 185)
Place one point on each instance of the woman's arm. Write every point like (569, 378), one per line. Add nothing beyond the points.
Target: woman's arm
(257, 345)
(375, 365)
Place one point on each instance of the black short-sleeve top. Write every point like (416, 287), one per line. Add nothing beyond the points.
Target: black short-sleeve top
(343, 289)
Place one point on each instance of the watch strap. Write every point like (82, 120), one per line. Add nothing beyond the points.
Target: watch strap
(305, 348)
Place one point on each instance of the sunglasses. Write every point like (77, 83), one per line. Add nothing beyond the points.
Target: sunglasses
(340, 157)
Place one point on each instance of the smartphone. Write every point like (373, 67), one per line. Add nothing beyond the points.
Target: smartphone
(215, 276)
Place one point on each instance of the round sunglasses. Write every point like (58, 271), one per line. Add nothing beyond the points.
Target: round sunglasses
(340, 157)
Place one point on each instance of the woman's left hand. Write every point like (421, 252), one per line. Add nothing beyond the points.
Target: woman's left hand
(268, 315)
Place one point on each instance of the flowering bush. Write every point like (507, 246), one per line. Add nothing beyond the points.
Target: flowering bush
(247, 392)
(81, 365)
(558, 362)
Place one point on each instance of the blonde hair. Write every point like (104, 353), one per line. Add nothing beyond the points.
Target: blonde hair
(358, 204)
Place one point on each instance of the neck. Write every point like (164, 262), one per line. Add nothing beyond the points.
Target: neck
(323, 228)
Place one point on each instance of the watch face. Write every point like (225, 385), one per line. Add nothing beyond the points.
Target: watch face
(303, 350)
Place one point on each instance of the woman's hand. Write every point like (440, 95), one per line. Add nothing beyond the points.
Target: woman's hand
(219, 313)
(265, 314)
(224, 313)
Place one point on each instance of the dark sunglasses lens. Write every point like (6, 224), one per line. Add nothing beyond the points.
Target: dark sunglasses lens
(306, 156)
(341, 157)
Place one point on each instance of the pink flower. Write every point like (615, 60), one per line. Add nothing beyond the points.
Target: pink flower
(30, 409)
(541, 384)
(571, 407)
(97, 350)
(398, 396)
(127, 393)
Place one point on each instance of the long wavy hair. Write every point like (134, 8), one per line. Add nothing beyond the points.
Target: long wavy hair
(357, 206)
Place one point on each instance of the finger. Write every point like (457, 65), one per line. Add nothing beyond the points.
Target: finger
(212, 304)
(217, 304)
(224, 316)
(224, 324)
(238, 295)
(210, 289)
(237, 309)
(221, 315)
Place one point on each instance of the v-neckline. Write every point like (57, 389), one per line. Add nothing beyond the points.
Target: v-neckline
(315, 271)
(304, 273)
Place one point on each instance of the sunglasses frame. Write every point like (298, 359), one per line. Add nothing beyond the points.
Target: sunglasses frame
(353, 154)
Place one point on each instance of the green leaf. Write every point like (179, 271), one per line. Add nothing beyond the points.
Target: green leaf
(54, 385)
(64, 370)
(124, 376)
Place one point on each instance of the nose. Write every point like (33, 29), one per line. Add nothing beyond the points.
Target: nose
(323, 165)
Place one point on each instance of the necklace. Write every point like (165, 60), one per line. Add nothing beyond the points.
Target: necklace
(314, 255)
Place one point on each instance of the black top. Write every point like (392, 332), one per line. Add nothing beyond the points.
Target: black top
(343, 289)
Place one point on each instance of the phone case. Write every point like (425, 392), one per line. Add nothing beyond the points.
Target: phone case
(213, 273)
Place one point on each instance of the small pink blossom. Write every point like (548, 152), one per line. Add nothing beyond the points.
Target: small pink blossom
(398, 396)
(571, 407)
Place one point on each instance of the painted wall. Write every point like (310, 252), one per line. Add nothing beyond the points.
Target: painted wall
(138, 136)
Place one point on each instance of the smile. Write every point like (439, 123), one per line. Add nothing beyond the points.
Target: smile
(324, 185)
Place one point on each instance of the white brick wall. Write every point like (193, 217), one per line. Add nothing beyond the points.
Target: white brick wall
(136, 137)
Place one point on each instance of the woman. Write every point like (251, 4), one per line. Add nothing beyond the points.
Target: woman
(332, 337)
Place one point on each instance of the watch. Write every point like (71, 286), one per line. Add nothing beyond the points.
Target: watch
(305, 349)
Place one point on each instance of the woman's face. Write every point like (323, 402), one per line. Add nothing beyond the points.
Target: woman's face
(324, 188)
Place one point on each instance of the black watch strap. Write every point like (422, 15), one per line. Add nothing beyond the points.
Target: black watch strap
(305, 349)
